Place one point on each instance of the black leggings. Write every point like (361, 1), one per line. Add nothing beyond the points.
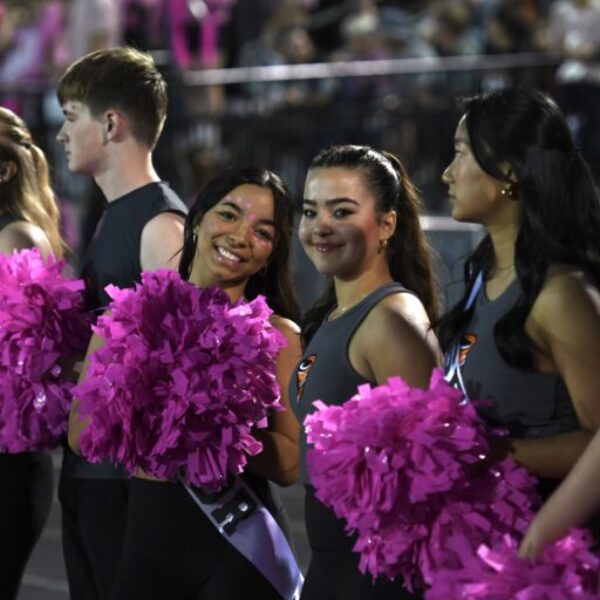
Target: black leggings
(173, 552)
(333, 572)
(93, 524)
(25, 502)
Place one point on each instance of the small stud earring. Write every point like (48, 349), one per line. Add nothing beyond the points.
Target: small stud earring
(510, 190)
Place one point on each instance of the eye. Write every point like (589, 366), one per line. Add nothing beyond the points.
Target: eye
(264, 234)
(340, 213)
(309, 213)
(227, 215)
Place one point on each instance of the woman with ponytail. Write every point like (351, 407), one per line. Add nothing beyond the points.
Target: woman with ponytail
(526, 334)
(359, 226)
(28, 219)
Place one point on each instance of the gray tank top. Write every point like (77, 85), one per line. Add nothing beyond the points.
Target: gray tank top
(527, 403)
(325, 372)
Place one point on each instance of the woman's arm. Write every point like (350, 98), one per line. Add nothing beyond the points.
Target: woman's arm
(279, 460)
(396, 340)
(565, 324)
(571, 505)
(77, 424)
(20, 235)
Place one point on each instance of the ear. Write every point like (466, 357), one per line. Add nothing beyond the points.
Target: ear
(114, 126)
(387, 224)
(508, 172)
(8, 169)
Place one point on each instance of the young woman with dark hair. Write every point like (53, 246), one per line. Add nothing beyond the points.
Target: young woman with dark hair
(29, 218)
(526, 334)
(359, 226)
(237, 236)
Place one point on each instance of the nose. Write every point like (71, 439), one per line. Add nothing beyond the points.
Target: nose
(322, 225)
(241, 235)
(61, 136)
(447, 175)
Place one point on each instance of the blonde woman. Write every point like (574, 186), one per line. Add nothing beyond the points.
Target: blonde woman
(29, 218)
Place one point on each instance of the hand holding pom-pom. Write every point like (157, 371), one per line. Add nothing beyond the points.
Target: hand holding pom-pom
(43, 323)
(567, 570)
(182, 379)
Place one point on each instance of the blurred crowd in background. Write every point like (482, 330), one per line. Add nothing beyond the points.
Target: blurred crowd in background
(279, 124)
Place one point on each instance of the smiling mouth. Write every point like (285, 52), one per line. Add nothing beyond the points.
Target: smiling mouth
(228, 256)
(324, 248)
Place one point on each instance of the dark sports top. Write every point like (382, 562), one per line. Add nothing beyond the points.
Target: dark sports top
(5, 220)
(527, 403)
(325, 372)
(113, 256)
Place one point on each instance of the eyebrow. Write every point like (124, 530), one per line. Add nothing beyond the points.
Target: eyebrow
(331, 202)
(239, 211)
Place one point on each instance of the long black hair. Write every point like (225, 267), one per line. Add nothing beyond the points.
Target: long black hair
(559, 220)
(408, 252)
(274, 282)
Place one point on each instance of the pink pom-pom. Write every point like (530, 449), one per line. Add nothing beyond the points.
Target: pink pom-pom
(567, 570)
(42, 322)
(182, 379)
(401, 466)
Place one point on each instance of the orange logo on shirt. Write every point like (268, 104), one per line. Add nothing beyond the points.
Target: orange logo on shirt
(302, 373)
(467, 341)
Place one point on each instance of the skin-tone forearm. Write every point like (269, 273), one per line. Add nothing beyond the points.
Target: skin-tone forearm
(287, 469)
(573, 503)
(76, 423)
(551, 457)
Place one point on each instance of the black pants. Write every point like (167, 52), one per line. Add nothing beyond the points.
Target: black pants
(25, 502)
(173, 552)
(333, 572)
(93, 526)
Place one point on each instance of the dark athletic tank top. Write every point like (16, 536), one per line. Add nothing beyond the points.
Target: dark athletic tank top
(5, 220)
(527, 403)
(113, 256)
(325, 372)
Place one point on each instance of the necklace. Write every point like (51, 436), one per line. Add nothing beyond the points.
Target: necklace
(338, 311)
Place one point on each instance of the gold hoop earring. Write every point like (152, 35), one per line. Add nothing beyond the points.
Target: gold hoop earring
(382, 245)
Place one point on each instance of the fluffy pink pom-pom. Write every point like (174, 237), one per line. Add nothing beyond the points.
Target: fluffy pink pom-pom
(182, 379)
(567, 570)
(42, 322)
(399, 465)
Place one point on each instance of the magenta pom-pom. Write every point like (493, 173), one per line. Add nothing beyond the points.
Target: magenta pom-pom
(43, 324)
(181, 380)
(566, 570)
(402, 467)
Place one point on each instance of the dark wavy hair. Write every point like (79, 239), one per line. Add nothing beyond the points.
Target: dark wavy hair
(275, 282)
(559, 219)
(408, 251)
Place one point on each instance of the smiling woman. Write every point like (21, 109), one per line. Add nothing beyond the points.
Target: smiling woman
(360, 226)
(237, 236)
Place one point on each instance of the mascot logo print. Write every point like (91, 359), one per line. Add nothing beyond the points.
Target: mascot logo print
(302, 373)
(467, 342)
